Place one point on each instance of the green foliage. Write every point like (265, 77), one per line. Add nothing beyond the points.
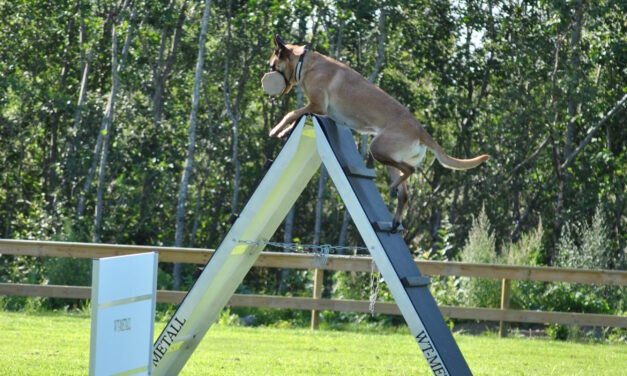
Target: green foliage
(352, 285)
(164, 280)
(480, 248)
(527, 250)
(228, 318)
(581, 246)
(449, 290)
(21, 269)
(557, 332)
(490, 77)
(586, 246)
(67, 271)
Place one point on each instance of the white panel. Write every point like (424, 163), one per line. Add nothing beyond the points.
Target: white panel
(121, 342)
(123, 310)
(123, 277)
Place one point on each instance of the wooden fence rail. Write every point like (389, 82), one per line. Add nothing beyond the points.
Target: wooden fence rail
(345, 305)
(306, 261)
(335, 263)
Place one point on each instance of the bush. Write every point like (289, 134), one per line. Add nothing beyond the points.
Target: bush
(480, 248)
(526, 252)
(585, 246)
(582, 246)
(67, 271)
(20, 269)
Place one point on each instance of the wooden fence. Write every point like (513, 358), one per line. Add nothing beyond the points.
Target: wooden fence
(505, 273)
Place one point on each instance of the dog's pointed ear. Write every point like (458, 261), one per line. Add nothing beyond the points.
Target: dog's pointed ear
(279, 44)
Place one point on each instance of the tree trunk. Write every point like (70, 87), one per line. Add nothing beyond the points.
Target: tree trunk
(164, 65)
(344, 228)
(233, 109)
(192, 236)
(571, 129)
(187, 171)
(236, 166)
(229, 110)
(92, 169)
(322, 183)
(436, 218)
(50, 173)
(380, 48)
(287, 238)
(98, 147)
(81, 99)
(68, 166)
(107, 119)
(161, 73)
(573, 81)
(11, 197)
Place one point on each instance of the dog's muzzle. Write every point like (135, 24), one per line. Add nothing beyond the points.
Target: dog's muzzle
(273, 83)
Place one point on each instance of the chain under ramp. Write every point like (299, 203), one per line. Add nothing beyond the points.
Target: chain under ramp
(320, 251)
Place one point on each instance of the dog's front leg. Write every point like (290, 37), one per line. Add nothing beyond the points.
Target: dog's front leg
(317, 105)
(287, 123)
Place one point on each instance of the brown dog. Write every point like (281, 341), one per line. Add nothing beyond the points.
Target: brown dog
(335, 90)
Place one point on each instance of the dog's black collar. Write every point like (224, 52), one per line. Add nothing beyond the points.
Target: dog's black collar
(297, 70)
(299, 66)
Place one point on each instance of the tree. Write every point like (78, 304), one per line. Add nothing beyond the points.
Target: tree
(187, 170)
(162, 67)
(537, 85)
(107, 119)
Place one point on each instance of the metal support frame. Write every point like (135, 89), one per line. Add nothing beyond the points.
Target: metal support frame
(295, 165)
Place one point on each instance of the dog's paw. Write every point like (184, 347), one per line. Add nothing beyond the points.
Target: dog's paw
(287, 131)
(394, 193)
(277, 130)
(274, 131)
(397, 227)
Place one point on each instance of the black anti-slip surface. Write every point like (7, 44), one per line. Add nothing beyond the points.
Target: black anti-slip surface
(343, 146)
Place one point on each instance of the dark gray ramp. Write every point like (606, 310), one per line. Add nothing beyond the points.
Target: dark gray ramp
(434, 337)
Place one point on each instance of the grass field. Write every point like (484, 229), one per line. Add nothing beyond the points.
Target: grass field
(58, 344)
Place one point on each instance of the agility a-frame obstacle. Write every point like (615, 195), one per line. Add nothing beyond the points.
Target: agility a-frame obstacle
(306, 148)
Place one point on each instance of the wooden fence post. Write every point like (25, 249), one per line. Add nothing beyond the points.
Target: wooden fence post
(505, 295)
(317, 294)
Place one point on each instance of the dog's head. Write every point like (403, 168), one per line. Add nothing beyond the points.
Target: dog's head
(281, 61)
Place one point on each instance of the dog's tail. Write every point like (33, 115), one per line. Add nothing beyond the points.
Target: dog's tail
(450, 162)
(460, 164)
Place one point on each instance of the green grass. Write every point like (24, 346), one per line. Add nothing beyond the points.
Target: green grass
(58, 344)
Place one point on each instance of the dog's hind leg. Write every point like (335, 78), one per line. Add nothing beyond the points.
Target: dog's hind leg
(384, 148)
(400, 193)
(389, 149)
